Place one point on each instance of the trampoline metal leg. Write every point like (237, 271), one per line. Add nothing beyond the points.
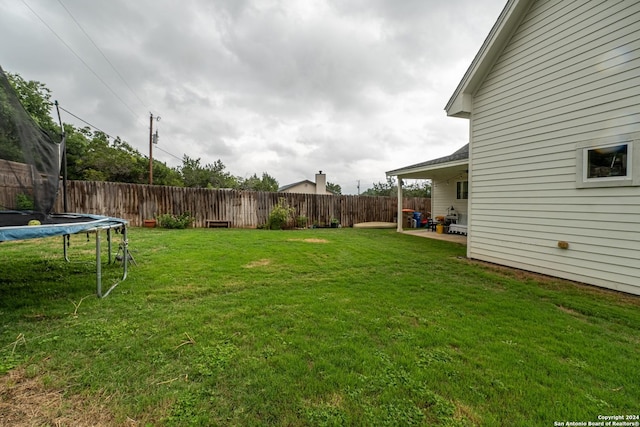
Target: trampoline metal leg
(125, 261)
(65, 247)
(98, 266)
(109, 243)
(125, 252)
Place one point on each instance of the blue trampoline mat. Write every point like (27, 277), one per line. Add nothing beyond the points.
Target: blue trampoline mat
(52, 225)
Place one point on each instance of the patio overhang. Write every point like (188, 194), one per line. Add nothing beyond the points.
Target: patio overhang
(441, 169)
(436, 168)
(432, 172)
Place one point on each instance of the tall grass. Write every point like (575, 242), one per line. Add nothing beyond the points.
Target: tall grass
(314, 327)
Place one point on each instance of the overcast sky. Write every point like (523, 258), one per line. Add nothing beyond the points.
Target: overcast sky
(289, 87)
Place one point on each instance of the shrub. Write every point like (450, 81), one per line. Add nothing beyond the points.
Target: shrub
(24, 202)
(183, 220)
(301, 221)
(281, 216)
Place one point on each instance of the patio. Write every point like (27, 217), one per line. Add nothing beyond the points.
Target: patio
(422, 232)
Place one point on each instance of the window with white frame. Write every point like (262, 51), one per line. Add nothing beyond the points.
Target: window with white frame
(462, 190)
(608, 163)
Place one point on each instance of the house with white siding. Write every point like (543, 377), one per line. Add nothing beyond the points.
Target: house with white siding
(449, 185)
(553, 103)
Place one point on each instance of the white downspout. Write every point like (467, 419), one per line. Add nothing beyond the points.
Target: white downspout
(470, 245)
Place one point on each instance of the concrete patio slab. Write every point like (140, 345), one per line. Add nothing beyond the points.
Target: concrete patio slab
(421, 232)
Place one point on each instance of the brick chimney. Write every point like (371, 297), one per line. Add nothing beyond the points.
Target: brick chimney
(321, 183)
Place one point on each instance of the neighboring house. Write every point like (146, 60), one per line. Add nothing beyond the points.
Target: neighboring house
(308, 187)
(553, 101)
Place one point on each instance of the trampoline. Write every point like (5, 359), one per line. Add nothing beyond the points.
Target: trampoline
(31, 164)
(66, 224)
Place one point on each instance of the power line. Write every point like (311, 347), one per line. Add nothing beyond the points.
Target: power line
(109, 136)
(103, 54)
(94, 73)
(85, 122)
(81, 60)
(166, 152)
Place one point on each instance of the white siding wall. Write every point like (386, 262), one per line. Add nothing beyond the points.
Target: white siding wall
(303, 188)
(443, 196)
(570, 73)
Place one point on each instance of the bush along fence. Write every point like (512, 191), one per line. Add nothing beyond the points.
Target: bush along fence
(239, 209)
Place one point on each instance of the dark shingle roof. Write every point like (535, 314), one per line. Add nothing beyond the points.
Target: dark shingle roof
(461, 154)
(286, 187)
(306, 181)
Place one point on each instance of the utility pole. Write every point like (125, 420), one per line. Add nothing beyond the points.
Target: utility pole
(153, 139)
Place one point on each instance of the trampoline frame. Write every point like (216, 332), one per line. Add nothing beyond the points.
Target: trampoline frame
(92, 224)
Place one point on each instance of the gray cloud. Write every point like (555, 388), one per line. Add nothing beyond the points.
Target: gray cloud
(353, 87)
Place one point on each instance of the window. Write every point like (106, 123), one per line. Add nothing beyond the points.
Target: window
(462, 190)
(606, 162)
(612, 162)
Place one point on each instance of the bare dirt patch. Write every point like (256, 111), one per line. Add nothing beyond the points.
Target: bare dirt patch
(258, 263)
(466, 413)
(309, 240)
(570, 311)
(25, 401)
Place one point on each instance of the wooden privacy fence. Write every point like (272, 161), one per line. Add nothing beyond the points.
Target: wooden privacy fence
(243, 209)
(20, 179)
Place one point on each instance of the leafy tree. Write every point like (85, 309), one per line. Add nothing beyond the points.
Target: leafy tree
(193, 173)
(219, 178)
(91, 156)
(35, 97)
(253, 183)
(386, 189)
(164, 175)
(390, 189)
(417, 189)
(334, 188)
(77, 147)
(208, 176)
(9, 141)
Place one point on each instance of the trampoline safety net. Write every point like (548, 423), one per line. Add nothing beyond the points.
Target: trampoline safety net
(30, 162)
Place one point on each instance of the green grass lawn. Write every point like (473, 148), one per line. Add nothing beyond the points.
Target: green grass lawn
(323, 327)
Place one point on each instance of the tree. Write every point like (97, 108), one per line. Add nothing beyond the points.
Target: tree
(35, 97)
(193, 174)
(92, 156)
(208, 176)
(390, 189)
(77, 147)
(385, 189)
(334, 188)
(219, 178)
(253, 183)
(35, 100)
(164, 175)
(422, 188)
(10, 148)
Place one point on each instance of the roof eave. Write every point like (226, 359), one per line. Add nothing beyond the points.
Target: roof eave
(423, 170)
(460, 103)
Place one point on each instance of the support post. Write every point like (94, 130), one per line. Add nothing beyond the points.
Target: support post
(150, 149)
(63, 143)
(399, 214)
